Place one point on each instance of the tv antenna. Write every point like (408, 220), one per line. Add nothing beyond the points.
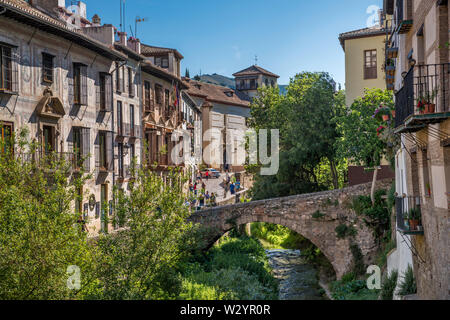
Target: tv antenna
(138, 20)
(256, 60)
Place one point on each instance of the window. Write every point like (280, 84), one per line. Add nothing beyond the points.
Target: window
(104, 207)
(77, 146)
(165, 63)
(81, 147)
(166, 98)
(8, 69)
(119, 78)
(132, 152)
(267, 82)
(370, 64)
(49, 139)
(119, 118)
(147, 97)
(120, 151)
(132, 132)
(159, 94)
(130, 82)
(103, 162)
(79, 84)
(252, 84)
(105, 92)
(6, 143)
(47, 68)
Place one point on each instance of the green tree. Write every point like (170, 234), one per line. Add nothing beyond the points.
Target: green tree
(187, 75)
(39, 234)
(360, 141)
(306, 117)
(140, 262)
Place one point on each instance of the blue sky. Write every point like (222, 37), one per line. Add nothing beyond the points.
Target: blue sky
(288, 36)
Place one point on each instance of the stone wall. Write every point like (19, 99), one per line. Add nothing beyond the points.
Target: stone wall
(296, 213)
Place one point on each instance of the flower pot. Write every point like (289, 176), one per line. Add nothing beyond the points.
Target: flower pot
(385, 117)
(430, 108)
(413, 224)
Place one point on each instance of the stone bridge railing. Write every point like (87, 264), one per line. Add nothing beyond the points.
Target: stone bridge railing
(314, 216)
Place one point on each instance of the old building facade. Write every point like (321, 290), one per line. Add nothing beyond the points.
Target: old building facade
(364, 69)
(52, 86)
(224, 114)
(417, 57)
(250, 79)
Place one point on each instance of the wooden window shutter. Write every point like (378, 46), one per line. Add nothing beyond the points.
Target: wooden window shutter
(98, 84)
(86, 145)
(83, 85)
(71, 84)
(97, 151)
(109, 151)
(132, 82)
(108, 93)
(14, 71)
(122, 79)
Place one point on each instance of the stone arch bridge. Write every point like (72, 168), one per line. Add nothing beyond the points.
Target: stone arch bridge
(299, 213)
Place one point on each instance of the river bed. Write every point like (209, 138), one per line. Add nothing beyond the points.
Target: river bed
(298, 280)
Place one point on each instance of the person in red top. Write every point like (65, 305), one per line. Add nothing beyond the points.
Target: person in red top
(207, 174)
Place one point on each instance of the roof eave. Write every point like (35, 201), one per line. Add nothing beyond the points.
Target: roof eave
(29, 19)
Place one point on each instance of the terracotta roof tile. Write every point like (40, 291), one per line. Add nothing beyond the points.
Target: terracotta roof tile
(24, 8)
(254, 70)
(216, 93)
(360, 33)
(153, 50)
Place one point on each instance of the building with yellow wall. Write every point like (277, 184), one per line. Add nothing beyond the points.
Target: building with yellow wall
(364, 61)
(364, 69)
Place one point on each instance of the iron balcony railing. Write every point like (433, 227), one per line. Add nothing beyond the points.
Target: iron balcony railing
(409, 215)
(425, 91)
(49, 159)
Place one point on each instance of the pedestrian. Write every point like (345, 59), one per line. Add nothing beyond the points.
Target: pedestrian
(232, 186)
(201, 199)
(195, 188)
(213, 199)
(203, 185)
(207, 174)
(207, 197)
(238, 185)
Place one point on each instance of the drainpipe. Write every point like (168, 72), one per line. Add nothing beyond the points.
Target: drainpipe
(113, 138)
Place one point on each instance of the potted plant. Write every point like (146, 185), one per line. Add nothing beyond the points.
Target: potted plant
(414, 216)
(382, 113)
(425, 104)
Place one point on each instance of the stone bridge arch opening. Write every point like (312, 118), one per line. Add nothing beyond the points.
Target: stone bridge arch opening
(314, 216)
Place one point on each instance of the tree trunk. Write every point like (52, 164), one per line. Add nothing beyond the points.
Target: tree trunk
(334, 174)
(374, 183)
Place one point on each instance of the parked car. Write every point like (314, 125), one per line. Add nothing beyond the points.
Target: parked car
(213, 173)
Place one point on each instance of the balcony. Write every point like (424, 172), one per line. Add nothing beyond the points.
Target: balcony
(424, 98)
(49, 160)
(409, 216)
(246, 86)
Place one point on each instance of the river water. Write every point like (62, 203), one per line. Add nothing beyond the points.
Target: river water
(298, 280)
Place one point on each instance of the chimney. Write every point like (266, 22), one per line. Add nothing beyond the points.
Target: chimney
(96, 21)
(82, 9)
(134, 44)
(48, 5)
(122, 38)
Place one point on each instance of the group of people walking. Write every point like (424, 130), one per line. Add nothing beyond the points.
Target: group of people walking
(200, 197)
